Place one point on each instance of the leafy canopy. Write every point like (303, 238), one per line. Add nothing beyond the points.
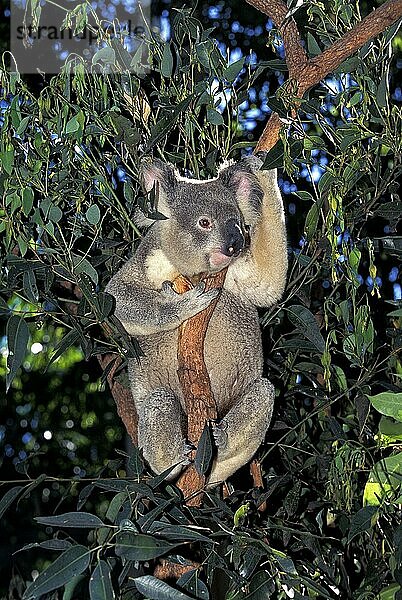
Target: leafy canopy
(70, 158)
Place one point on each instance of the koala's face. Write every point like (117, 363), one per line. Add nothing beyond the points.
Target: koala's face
(205, 228)
(205, 231)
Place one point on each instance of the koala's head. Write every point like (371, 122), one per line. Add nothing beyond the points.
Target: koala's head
(206, 221)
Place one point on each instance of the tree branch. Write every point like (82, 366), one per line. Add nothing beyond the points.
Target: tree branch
(308, 72)
(121, 395)
(370, 27)
(194, 380)
(277, 10)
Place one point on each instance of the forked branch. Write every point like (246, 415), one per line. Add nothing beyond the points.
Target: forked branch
(307, 72)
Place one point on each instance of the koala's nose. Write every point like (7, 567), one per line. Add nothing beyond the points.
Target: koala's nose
(234, 238)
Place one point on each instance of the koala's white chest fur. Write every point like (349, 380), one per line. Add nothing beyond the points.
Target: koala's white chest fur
(159, 268)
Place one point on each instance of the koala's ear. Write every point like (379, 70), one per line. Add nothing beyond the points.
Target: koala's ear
(159, 178)
(157, 173)
(240, 178)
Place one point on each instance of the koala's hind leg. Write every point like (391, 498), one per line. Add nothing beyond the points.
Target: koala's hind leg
(160, 433)
(243, 429)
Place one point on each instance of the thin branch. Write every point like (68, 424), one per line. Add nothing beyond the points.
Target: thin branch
(270, 135)
(370, 27)
(121, 395)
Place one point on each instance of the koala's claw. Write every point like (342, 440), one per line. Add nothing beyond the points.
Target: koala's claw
(190, 303)
(199, 290)
(219, 431)
(200, 287)
(167, 290)
(196, 299)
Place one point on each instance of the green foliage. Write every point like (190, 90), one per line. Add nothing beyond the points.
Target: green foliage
(70, 157)
(385, 479)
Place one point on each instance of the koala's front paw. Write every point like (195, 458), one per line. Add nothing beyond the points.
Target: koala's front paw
(191, 302)
(197, 299)
(168, 292)
(219, 431)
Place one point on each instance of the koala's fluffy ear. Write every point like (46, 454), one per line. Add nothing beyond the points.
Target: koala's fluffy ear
(158, 178)
(242, 180)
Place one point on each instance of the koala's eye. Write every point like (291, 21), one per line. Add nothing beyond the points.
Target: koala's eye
(204, 223)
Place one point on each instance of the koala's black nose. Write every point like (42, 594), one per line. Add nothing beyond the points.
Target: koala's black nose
(234, 238)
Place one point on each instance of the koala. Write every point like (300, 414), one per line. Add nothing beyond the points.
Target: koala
(206, 228)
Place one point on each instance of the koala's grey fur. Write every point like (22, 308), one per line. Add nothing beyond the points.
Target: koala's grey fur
(152, 312)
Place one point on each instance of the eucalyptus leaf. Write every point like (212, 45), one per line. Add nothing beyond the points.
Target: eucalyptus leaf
(390, 592)
(54, 545)
(274, 157)
(203, 50)
(384, 481)
(388, 403)
(27, 200)
(7, 159)
(93, 214)
(391, 429)
(305, 322)
(30, 286)
(191, 582)
(83, 266)
(9, 497)
(135, 463)
(100, 584)
(261, 586)
(382, 94)
(23, 125)
(121, 485)
(204, 454)
(73, 125)
(167, 61)
(70, 339)
(166, 123)
(214, 117)
(106, 55)
(303, 195)
(362, 521)
(17, 333)
(114, 511)
(72, 519)
(71, 587)
(312, 45)
(155, 589)
(71, 563)
(233, 70)
(311, 223)
(121, 54)
(177, 532)
(133, 546)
